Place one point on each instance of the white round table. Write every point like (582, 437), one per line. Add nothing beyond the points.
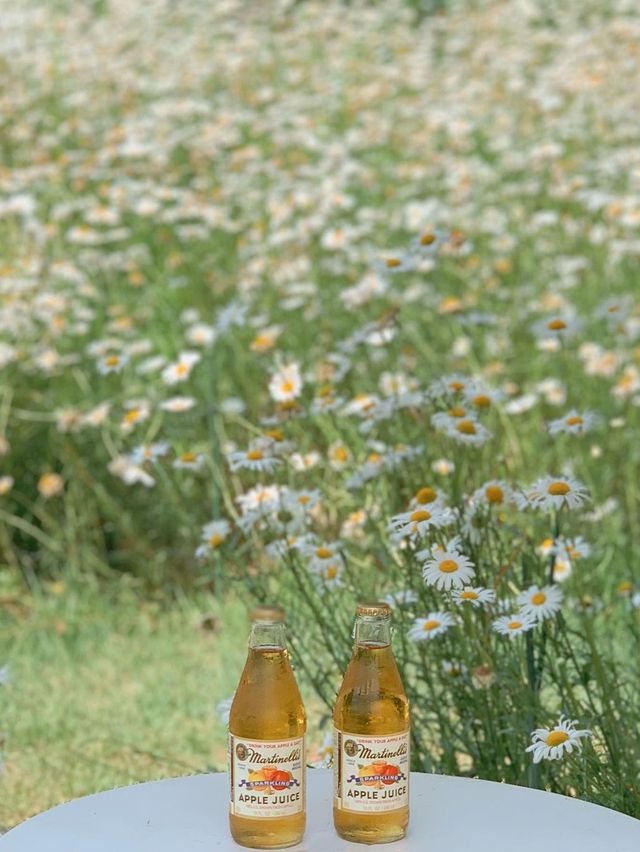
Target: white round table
(458, 814)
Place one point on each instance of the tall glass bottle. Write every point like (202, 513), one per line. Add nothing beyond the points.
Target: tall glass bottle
(267, 725)
(371, 730)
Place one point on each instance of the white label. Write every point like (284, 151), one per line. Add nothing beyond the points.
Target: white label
(267, 777)
(371, 773)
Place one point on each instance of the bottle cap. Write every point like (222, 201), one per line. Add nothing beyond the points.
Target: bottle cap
(274, 614)
(374, 608)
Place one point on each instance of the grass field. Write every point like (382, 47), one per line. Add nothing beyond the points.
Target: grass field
(311, 302)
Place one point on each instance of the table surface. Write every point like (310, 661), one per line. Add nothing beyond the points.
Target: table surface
(459, 814)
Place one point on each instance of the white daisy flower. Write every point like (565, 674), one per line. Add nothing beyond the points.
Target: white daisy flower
(428, 242)
(181, 369)
(562, 569)
(573, 423)
(404, 597)
(443, 466)
(285, 384)
(149, 452)
(304, 461)
(178, 404)
(469, 431)
(480, 397)
(329, 576)
(539, 602)
(262, 500)
(448, 569)
(338, 455)
(252, 459)
(137, 411)
(427, 496)
(513, 625)
(474, 595)
(129, 473)
(112, 364)
(558, 326)
(449, 386)
(323, 555)
(200, 334)
(552, 743)
(419, 521)
(454, 670)
(573, 548)
(435, 624)
(493, 493)
(521, 404)
(189, 461)
(213, 535)
(553, 493)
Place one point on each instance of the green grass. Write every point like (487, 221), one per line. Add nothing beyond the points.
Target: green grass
(106, 690)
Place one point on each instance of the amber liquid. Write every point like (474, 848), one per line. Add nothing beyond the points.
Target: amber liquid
(372, 702)
(267, 706)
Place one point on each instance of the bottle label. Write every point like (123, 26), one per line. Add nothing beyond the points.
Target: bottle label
(371, 773)
(267, 777)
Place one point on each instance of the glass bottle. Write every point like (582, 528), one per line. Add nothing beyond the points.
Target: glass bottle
(371, 737)
(267, 724)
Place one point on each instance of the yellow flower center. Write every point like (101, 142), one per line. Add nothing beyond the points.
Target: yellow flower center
(574, 421)
(419, 515)
(556, 325)
(274, 434)
(514, 625)
(188, 457)
(303, 499)
(427, 239)
(538, 599)
(466, 427)
(558, 489)
(482, 401)
(331, 572)
(494, 494)
(374, 458)
(448, 566)
(426, 495)
(547, 543)
(393, 262)
(431, 624)
(469, 595)
(625, 587)
(132, 416)
(216, 540)
(182, 370)
(324, 553)
(456, 386)
(254, 455)
(457, 411)
(339, 454)
(287, 386)
(557, 738)
(112, 361)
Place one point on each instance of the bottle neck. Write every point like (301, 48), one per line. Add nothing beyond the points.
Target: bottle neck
(268, 635)
(372, 631)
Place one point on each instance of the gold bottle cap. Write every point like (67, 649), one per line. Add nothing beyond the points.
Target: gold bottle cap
(274, 614)
(374, 608)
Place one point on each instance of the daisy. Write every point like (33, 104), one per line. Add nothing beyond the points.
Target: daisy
(304, 461)
(540, 603)
(554, 493)
(50, 485)
(338, 455)
(200, 334)
(419, 521)
(448, 569)
(252, 459)
(178, 404)
(300, 502)
(493, 493)
(475, 595)
(181, 369)
(149, 452)
(469, 431)
(189, 461)
(573, 423)
(329, 576)
(213, 535)
(6, 484)
(286, 383)
(451, 385)
(323, 555)
(428, 242)
(521, 404)
(405, 597)
(573, 548)
(394, 263)
(562, 569)
(481, 397)
(513, 625)
(137, 412)
(435, 624)
(261, 500)
(551, 743)
(557, 326)
(129, 473)
(454, 670)
(112, 364)
(443, 466)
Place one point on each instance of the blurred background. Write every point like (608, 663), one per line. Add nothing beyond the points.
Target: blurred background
(203, 208)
